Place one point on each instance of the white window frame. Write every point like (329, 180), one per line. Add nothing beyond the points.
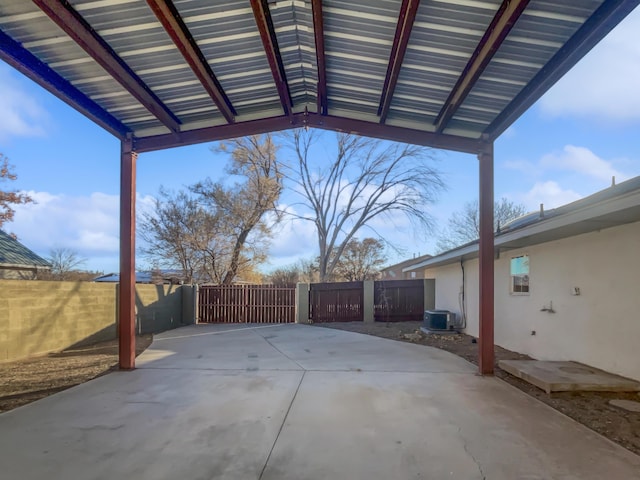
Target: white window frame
(512, 276)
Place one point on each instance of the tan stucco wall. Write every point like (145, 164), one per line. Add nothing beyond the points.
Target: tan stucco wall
(38, 317)
(600, 327)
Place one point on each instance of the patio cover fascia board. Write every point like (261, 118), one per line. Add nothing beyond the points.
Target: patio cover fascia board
(618, 207)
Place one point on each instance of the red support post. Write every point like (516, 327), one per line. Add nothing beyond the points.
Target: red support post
(126, 288)
(486, 256)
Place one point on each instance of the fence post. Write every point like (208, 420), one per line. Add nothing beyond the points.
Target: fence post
(429, 293)
(189, 302)
(302, 303)
(368, 308)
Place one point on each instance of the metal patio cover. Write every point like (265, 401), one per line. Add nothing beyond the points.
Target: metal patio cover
(161, 73)
(448, 74)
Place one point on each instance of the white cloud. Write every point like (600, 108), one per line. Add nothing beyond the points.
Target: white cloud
(581, 160)
(523, 166)
(293, 238)
(604, 84)
(549, 193)
(22, 115)
(87, 224)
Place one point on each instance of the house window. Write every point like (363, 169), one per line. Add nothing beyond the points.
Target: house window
(520, 275)
(413, 274)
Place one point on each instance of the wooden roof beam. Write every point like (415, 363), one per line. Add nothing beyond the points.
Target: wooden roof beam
(318, 29)
(500, 26)
(172, 22)
(76, 27)
(315, 120)
(270, 43)
(407, 17)
(28, 64)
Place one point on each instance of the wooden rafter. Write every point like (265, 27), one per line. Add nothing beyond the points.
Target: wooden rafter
(407, 16)
(179, 33)
(318, 29)
(500, 26)
(268, 35)
(81, 32)
(26, 63)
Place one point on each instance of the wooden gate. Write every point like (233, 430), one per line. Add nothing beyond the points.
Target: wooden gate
(335, 302)
(398, 300)
(246, 304)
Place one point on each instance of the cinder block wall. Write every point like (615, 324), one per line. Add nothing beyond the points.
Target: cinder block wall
(39, 317)
(158, 307)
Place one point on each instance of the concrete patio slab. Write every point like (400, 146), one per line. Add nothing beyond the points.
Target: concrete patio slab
(273, 402)
(567, 376)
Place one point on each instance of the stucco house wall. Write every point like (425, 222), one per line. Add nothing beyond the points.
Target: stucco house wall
(600, 327)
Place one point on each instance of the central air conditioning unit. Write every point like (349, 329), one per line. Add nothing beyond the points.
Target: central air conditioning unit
(440, 320)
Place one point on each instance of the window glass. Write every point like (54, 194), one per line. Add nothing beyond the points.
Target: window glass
(520, 274)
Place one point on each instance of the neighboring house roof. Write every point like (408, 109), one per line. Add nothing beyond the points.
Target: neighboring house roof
(401, 265)
(14, 254)
(616, 205)
(143, 277)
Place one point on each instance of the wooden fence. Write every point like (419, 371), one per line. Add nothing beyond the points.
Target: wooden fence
(336, 302)
(398, 300)
(246, 304)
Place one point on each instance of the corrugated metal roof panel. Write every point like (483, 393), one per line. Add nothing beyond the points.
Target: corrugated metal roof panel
(358, 39)
(132, 30)
(443, 38)
(535, 38)
(227, 35)
(293, 24)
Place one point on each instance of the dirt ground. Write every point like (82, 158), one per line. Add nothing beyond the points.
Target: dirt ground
(26, 381)
(589, 408)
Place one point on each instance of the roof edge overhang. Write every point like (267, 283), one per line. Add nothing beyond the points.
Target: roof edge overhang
(24, 266)
(592, 216)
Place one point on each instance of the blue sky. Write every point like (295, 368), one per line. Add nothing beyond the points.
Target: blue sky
(582, 132)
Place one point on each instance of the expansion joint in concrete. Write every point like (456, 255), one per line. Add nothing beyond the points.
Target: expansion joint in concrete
(280, 351)
(284, 420)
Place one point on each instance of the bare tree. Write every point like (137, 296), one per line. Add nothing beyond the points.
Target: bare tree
(8, 198)
(65, 263)
(215, 232)
(284, 276)
(361, 260)
(366, 179)
(464, 226)
(243, 206)
(180, 233)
